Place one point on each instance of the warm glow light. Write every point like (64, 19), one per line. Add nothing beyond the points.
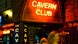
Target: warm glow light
(1, 33)
(44, 5)
(8, 25)
(12, 29)
(9, 13)
(43, 13)
(6, 32)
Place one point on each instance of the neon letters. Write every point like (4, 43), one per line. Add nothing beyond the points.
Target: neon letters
(16, 33)
(45, 13)
(25, 34)
(44, 5)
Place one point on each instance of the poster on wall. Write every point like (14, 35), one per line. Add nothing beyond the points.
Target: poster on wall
(42, 11)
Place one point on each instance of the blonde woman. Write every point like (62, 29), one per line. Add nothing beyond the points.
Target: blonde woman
(53, 37)
(43, 41)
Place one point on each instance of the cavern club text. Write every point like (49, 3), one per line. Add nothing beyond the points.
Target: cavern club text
(44, 8)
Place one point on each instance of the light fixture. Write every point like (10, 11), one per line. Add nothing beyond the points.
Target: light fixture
(9, 13)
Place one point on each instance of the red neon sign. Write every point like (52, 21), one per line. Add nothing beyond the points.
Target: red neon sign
(42, 11)
(44, 5)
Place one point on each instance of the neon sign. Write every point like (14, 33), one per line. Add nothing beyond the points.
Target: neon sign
(16, 36)
(45, 5)
(25, 34)
(46, 11)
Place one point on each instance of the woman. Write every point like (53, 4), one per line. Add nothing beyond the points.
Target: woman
(43, 41)
(53, 37)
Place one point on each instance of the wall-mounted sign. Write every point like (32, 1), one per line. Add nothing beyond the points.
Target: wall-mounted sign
(42, 11)
(16, 34)
(44, 5)
(25, 34)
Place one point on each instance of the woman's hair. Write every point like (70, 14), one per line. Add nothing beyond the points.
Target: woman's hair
(53, 37)
(43, 40)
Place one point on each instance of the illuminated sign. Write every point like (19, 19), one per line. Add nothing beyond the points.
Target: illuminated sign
(44, 5)
(16, 36)
(48, 11)
(6, 31)
(25, 34)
